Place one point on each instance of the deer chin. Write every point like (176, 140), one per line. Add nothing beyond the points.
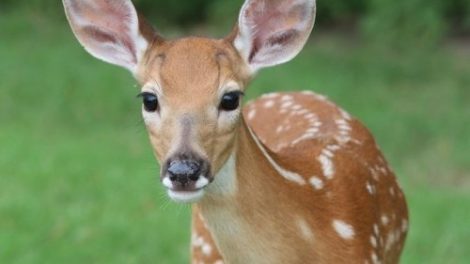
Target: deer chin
(186, 196)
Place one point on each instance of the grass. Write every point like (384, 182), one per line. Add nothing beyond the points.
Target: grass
(78, 182)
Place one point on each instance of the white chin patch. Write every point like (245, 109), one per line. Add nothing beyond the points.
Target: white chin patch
(186, 197)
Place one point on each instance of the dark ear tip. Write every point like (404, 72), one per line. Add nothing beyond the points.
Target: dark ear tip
(148, 31)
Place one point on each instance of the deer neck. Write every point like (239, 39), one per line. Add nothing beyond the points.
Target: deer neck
(246, 177)
(246, 209)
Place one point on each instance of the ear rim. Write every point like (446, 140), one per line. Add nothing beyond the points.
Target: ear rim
(141, 41)
(241, 38)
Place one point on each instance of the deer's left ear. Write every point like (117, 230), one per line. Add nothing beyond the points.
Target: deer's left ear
(109, 30)
(272, 32)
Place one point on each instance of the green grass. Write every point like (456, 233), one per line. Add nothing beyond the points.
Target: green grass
(78, 182)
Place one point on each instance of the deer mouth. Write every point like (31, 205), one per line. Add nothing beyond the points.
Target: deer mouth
(189, 192)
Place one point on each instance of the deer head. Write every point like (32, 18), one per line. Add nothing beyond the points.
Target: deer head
(192, 87)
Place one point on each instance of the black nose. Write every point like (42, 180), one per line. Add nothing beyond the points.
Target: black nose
(182, 171)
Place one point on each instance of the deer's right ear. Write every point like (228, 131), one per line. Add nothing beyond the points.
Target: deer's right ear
(108, 30)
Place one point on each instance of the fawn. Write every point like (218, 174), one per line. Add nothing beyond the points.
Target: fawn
(290, 178)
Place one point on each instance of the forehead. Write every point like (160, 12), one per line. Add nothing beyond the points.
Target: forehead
(191, 66)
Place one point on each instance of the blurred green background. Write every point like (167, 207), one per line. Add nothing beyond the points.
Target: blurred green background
(78, 181)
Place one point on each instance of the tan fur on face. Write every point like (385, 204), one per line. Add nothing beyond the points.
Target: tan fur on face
(189, 76)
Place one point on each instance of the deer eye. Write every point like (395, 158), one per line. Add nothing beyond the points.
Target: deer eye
(230, 101)
(150, 101)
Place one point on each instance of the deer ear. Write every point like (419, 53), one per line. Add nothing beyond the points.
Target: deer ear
(272, 32)
(108, 30)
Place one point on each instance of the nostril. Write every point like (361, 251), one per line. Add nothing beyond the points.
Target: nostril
(172, 176)
(194, 177)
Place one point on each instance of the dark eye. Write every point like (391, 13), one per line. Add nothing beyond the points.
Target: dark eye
(150, 101)
(230, 101)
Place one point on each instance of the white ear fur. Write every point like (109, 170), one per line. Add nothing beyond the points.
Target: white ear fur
(108, 30)
(272, 32)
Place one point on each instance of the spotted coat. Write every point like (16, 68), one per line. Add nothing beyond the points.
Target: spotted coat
(358, 208)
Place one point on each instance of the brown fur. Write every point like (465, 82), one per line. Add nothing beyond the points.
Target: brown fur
(270, 204)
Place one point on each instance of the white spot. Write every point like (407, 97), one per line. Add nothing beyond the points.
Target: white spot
(370, 188)
(328, 153)
(286, 104)
(391, 239)
(279, 129)
(342, 122)
(345, 128)
(343, 138)
(327, 166)
(251, 114)
(373, 241)
(316, 182)
(345, 114)
(296, 107)
(374, 173)
(317, 124)
(384, 219)
(206, 249)
(219, 262)
(313, 130)
(392, 191)
(305, 229)
(376, 229)
(197, 241)
(404, 225)
(374, 258)
(269, 104)
(287, 98)
(333, 147)
(344, 230)
(289, 175)
(311, 116)
(383, 170)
